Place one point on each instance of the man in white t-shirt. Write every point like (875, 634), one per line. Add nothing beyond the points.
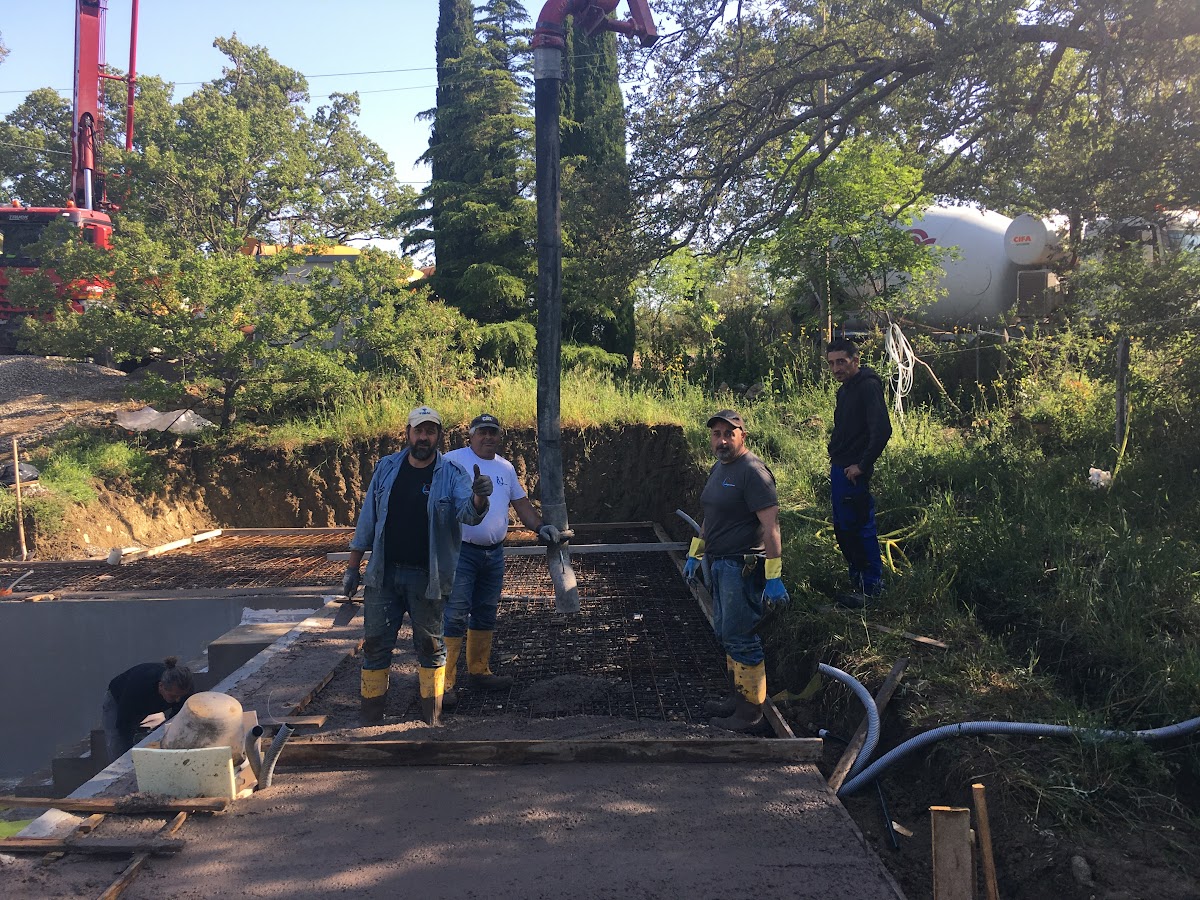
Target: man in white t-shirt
(479, 578)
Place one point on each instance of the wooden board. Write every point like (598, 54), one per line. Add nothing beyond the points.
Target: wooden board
(116, 804)
(94, 846)
(329, 754)
(953, 872)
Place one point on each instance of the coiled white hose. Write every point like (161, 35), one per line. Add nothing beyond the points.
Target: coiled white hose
(900, 353)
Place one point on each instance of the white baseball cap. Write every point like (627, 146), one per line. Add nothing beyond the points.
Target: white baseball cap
(424, 414)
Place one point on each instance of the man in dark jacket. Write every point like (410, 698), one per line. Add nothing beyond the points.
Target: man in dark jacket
(861, 430)
(138, 692)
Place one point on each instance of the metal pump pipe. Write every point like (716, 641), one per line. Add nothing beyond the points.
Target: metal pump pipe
(549, 42)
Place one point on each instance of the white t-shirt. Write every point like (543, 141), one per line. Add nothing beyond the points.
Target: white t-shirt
(494, 527)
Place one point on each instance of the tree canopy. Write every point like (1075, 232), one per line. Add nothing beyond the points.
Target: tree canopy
(997, 101)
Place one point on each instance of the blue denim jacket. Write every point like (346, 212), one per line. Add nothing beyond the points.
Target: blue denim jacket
(450, 505)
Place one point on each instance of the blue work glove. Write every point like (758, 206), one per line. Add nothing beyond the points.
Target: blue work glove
(775, 594)
(550, 534)
(691, 570)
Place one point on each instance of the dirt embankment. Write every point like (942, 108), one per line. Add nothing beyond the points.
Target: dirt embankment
(612, 474)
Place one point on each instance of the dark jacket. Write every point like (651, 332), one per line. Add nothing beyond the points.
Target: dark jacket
(137, 696)
(861, 427)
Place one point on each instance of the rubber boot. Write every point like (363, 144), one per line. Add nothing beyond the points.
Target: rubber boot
(479, 650)
(751, 683)
(453, 650)
(374, 695)
(724, 706)
(433, 688)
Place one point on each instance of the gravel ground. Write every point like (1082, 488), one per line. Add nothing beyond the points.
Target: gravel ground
(40, 395)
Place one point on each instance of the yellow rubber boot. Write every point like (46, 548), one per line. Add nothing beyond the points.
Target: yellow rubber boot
(454, 647)
(374, 695)
(433, 688)
(751, 685)
(479, 651)
(726, 705)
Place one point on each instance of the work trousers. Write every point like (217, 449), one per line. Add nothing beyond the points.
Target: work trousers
(403, 591)
(854, 529)
(737, 610)
(115, 741)
(478, 581)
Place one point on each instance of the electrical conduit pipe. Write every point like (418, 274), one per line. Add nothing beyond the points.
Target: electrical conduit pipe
(868, 702)
(272, 757)
(1028, 729)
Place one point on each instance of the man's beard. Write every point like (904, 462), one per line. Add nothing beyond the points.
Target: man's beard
(422, 451)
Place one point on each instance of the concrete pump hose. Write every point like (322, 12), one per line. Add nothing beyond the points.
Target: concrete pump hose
(868, 703)
(272, 757)
(1028, 729)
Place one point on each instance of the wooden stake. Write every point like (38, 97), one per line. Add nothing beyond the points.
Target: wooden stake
(20, 511)
(860, 736)
(953, 875)
(985, 842)
(126, 878)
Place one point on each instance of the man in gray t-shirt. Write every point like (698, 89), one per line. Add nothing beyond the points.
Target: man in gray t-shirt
(740, 540)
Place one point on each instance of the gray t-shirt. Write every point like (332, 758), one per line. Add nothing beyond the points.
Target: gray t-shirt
(734, 493)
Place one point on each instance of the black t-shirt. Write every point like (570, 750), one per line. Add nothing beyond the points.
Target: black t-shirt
(406, 531)
(735, 492)
(137, 696)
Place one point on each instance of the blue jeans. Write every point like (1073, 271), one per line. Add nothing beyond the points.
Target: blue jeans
(737, 610)
(854, 528)
(403, 591)
(478, 581)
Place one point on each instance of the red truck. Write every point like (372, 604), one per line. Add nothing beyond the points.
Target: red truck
(88, 207)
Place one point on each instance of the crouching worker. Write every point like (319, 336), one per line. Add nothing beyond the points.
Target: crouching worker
(741, 541)
(138, 692)
(411, 521)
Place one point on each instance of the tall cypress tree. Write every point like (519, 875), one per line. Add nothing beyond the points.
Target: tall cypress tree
(480, 221)
(598, 266)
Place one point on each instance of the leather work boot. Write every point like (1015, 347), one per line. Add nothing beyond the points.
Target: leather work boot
(374, 696)
(726, 705)
(453, 651)
(479, 650)
(433, 687)
(751, 685)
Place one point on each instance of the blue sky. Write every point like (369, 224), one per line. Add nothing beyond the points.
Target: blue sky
(392, 39)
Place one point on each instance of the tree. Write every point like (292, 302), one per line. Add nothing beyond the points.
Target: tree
(480, 219)
(35, 150)
(599, 262)
(243, 339)
(968, 89)
(240, 158)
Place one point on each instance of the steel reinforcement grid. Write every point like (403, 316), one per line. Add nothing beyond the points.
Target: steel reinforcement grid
(639, 648)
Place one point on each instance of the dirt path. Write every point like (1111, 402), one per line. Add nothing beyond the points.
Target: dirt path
(40, 395)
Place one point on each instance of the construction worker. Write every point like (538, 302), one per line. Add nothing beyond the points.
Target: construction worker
(411, 521)
(138, 692)
(740, 541)
(471, 609)
(861, 430)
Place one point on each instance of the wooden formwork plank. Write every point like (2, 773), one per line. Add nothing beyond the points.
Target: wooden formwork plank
(117, 888)
(118, 804)
(953, 871)
(95, 846)
(540, 550)
(329, 754)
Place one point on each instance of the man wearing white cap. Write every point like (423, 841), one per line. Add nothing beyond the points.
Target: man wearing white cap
(479, 579)
(411, 521)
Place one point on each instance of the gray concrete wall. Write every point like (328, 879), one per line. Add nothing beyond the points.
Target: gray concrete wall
(56, 660)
